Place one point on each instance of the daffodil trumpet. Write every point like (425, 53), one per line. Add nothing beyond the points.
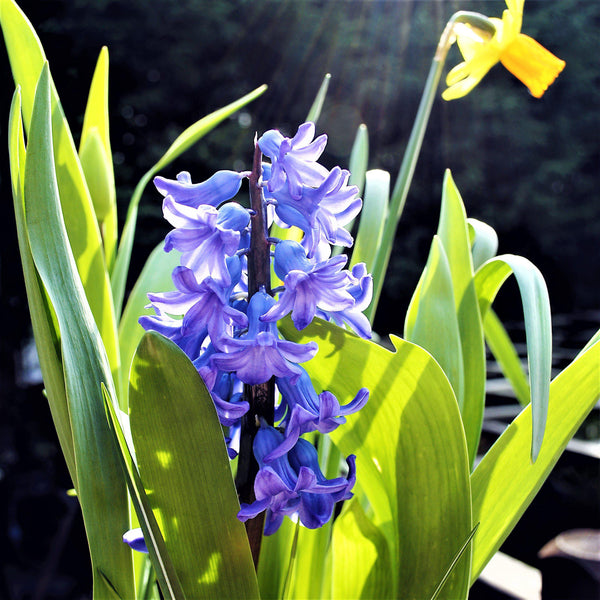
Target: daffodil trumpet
(483, 46)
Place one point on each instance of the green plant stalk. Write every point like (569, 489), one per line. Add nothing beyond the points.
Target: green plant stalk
(404, 179)
(413, 148)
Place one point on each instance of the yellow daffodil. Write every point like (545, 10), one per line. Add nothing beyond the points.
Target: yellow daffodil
(527, 60)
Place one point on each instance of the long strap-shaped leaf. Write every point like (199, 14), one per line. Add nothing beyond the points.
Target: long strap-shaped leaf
(189, 137)
(100, 486)
(183, 462)
(96, 157)
(411, 460)
(42, 321)
(27, 59)
(443, 316)
(538, 329)
(506, 481)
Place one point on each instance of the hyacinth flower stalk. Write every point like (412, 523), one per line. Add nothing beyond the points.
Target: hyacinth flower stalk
(223, 314)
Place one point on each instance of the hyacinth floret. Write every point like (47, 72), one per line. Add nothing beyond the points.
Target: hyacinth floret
(224, 315)
(216, 190)
(294, 159)
(293, 483)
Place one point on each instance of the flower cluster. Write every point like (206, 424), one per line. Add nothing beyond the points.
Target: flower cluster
(231, 334)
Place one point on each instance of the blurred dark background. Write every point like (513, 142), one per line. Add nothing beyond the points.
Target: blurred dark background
(527, 167)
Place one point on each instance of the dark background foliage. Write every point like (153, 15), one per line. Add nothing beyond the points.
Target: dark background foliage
(527, 167)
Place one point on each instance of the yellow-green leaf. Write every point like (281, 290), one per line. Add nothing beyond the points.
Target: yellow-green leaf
(411, 457)
(27, 58)
(100, 485)
(506, 481)
(96, 157)
(184, 466)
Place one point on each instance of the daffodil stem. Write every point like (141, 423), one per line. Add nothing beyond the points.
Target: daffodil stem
(261, 397)
(405, 174)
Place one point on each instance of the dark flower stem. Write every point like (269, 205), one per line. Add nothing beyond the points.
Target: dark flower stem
(261, 397)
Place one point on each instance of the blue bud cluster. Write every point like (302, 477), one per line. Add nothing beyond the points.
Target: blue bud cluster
(232, 336)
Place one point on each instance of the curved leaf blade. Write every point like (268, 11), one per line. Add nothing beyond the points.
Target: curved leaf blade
(484, 242)
(27, 58)
(506, 481)
(100, 487)
(183, 463)
(538, 328)
(411, 457)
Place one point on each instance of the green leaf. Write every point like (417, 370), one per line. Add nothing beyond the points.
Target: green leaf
(96, 156)
(411, 457)
(505, 354)
(454, 235)
(538, 329)
(359, 158)
(274, 560)
(97, 167)
(100, 487)
(372, 218)
(307, 574)
(359, 542)
(183, 462)
(453, 564)
(45, 331)
(27, 59)
(431, 320)
(506, 481)
(163, 566)
(188, 138)
(315, 110)
(155, 277)
(484, 242)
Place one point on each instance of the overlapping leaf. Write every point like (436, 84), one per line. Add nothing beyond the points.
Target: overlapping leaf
(184, 466)
(506, 481)
(100, 486)
(444, 318)
(27, 58)
(411, 461)
(45, 329)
